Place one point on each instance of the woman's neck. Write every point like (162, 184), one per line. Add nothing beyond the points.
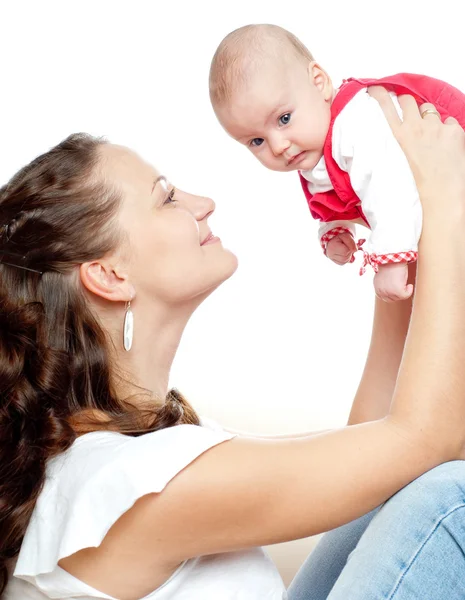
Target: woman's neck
(146, 367)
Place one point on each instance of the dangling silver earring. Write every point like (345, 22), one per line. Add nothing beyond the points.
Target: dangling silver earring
(128, 327)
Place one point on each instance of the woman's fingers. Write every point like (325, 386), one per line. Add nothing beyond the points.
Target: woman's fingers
(451, 121)
(429, 112)
(386, 103)
(410, 110)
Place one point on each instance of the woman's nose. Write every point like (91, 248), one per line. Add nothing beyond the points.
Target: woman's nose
(201, 207)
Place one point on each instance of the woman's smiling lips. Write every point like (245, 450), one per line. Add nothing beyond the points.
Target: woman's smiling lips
(210, 239)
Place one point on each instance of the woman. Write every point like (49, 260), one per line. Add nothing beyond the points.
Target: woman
(109, 488)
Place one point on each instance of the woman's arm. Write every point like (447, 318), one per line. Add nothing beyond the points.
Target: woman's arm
(390, 325)
(248, 492)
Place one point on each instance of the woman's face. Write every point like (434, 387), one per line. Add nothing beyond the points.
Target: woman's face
(172, 255)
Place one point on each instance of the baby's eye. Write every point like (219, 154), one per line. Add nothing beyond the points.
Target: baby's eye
(284, 119)
(257, 142)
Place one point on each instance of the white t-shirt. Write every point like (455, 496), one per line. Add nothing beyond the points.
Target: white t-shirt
(364, 146)
(92, 484)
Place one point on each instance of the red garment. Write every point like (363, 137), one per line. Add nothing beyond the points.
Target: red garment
(342, 203)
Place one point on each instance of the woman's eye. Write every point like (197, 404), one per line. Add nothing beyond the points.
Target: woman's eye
(284, 119)
(170, 198)
(257, 142)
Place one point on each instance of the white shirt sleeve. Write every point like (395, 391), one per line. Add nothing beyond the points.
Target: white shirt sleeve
(91, 485)
(364, 147)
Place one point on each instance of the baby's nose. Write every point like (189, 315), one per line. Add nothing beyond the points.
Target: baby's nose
(279, 145)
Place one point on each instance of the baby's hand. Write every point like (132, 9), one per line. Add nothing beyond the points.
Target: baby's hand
(341, 248)
(391, 282)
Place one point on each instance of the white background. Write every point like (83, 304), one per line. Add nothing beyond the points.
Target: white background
(281, 346)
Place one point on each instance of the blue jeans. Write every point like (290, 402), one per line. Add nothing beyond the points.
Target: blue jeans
(413, 547)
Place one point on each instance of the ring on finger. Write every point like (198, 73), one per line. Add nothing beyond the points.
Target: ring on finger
(430, 111)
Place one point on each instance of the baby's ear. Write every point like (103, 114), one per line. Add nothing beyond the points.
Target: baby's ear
(320, 78)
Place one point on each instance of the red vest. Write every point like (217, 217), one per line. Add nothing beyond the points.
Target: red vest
(342, 203)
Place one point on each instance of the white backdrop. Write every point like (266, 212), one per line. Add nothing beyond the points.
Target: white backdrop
(281, 346)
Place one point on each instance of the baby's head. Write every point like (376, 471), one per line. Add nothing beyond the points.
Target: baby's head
(270, 95)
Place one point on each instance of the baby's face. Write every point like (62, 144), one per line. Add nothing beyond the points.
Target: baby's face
(282, 116)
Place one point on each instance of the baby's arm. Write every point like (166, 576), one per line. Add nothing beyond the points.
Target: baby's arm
(363, 145)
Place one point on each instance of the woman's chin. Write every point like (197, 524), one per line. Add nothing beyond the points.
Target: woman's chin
(232, 264)
(225, 271)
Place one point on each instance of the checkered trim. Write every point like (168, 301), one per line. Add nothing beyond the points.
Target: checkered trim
(374, 260)
(332, 233)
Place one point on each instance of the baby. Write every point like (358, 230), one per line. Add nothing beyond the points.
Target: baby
(270, 94)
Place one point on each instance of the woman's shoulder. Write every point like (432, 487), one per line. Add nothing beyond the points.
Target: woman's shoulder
(95, 453)
(98, 479)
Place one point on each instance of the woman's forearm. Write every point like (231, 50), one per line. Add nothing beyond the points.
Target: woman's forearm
(390, 325)
(430, 389)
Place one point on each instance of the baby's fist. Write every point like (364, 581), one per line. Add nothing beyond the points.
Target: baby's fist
(391, 282)
(341, 248)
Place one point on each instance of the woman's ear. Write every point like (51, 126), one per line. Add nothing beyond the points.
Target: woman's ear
(106, 280)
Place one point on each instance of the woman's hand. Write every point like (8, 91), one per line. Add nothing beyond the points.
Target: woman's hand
(434, 150)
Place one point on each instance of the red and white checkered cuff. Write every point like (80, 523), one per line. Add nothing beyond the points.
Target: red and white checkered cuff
(331, 234)
(374, 260)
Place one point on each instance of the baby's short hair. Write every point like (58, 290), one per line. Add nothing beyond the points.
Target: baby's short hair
(241, 53)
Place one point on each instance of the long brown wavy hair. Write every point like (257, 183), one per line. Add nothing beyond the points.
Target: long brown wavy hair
(55, 370)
